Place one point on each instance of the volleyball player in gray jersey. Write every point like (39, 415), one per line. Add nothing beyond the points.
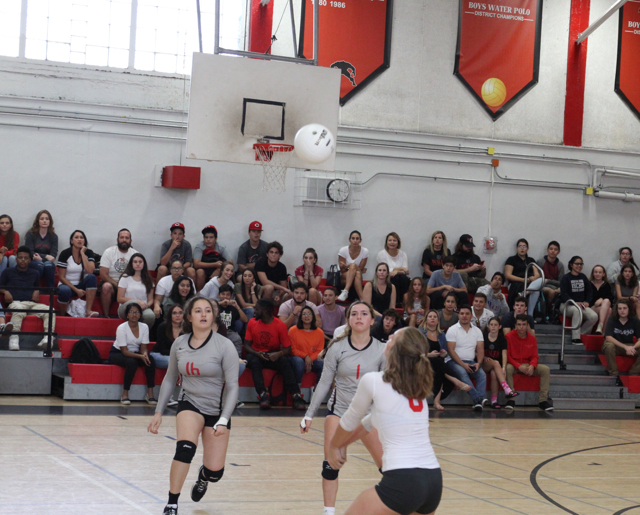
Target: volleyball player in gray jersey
(208, 364)
(347, 359)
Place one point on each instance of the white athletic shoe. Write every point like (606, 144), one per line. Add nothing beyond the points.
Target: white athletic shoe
(172, 402)
(6, 328)
(343, 296)
(14, 342)
(43, 342)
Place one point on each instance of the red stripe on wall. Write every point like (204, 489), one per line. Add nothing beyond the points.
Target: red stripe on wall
(260, 26)
(576, 69)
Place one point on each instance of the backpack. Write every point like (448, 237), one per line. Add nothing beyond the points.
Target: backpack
(85, 351)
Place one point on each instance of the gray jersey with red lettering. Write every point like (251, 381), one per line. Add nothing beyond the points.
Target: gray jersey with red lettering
(209, 375)
(347, 365)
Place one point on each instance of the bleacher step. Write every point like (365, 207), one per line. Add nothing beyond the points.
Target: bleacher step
(577, 369)
(569, 359)
(564, 403)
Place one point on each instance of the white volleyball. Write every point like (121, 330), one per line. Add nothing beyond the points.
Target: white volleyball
(314, 143)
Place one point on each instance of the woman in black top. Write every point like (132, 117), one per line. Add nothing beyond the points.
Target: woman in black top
(380, 293)
(514, 270)
(602, 296)
(577, 287)
(434, 253)
(181, 292)
(168, 331)
(495, 360)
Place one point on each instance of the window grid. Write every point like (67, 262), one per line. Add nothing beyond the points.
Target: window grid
(162, 34)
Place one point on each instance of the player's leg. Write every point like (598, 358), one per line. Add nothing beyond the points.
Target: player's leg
(214, 456)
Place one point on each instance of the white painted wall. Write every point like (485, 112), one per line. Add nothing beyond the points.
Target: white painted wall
(84, 143)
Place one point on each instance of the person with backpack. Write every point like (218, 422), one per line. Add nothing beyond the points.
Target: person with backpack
(131, 350)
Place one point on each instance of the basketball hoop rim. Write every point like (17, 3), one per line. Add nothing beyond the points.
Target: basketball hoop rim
(273, 147)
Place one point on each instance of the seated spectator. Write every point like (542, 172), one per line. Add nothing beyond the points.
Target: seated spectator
(522, 357)
(469, 265)
(398, 264)
(272, 275)
(12, 280)
(496, 300)
(602, 296)
(627, 287)
(168, 331)
(387, 325)
(76, 265)
(181, 291)
(252, 249)
(416, 302)
(331, 314)
(247, 292)
(553, 271)
(232, 316)
(291, 309)
(495, 360)
(9, 242)
(445, 281)
(165, 285)
(267, 345)
(339, 331)
(352, 260)
(208, 256)
(613, 270)
(212, 287)
(379, 292)
(113, 263)
(136, 287)
(480, 315)
(443, 383)
(5, 328)
(448, 315)
(433, 255)
(42, 240)
(621, 331)
(174, 249)
(577, 287)
(508, 321)
(514, 270)
(307, 344)
(130, 351)
(310, 274)
(466, 354)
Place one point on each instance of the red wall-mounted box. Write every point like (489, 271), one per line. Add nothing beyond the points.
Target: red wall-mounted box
(185, 177)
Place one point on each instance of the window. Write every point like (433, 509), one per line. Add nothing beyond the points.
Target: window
(10, 27)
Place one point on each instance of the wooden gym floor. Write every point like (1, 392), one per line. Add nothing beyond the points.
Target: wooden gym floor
(97, 458)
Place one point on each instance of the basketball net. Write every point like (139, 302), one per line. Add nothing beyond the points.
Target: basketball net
(275, 159)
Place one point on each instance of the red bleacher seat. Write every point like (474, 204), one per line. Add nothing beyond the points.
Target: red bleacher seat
(624, 362)
(103, 346)
(592, 342)
(632, 383)
(273, 379)
(108, 374)
(524, 383)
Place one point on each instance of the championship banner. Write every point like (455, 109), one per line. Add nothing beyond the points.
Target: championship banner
(628, 68)
(354, 36)
(498, 50)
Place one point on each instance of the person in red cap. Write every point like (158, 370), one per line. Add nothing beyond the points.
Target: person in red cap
(208, 256)
(176, 249)
(469, 265)
(252, 249)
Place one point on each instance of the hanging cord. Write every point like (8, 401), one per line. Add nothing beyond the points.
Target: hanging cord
(274, 38)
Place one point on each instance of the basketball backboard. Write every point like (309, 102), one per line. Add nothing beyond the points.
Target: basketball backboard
(272, 99)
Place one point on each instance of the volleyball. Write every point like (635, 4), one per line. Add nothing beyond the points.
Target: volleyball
(314, 143)
(494, 92)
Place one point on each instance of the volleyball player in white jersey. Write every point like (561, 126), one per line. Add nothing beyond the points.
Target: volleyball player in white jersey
(208, 363)
(348, 358)
(397, 397)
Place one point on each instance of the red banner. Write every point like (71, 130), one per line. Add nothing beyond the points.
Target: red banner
(498, 51)
(355, 37)
(628, 69)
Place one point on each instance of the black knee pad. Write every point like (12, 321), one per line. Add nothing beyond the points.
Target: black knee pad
(185, 451)
(213, 476)
(329, 473)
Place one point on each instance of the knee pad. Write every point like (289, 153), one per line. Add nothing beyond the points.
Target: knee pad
(185, 451)
(213, 476)
(328, 473)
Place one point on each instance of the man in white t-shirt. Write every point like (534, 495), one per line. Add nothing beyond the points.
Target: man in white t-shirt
(480, 315)
(290, 310)
(466, 353)
(113, 263)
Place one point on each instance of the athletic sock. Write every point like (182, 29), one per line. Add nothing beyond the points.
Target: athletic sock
(494, 399)
(173, 498)
(329, 511)
(505, 387)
